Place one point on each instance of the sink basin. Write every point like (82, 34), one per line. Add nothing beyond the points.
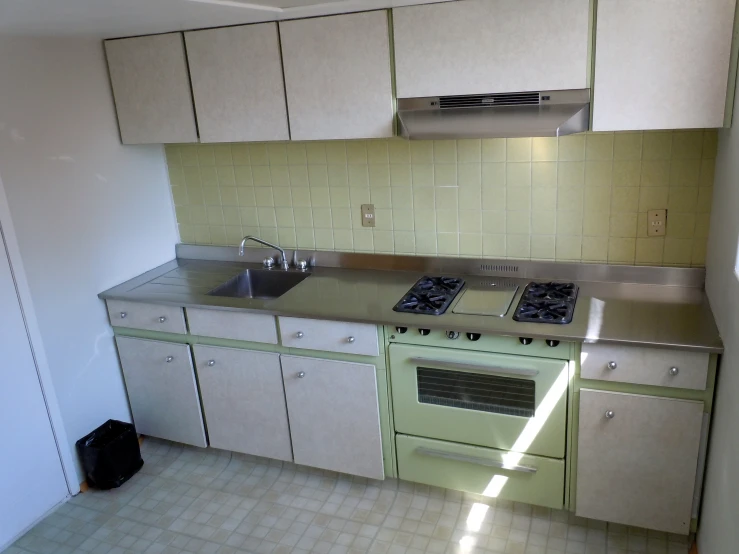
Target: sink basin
(259, 283)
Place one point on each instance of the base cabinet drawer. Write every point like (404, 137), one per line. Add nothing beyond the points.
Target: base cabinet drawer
(330, 336)
(161, 387)
(227, 324)
(484, 471)
(637, 459)
(150, 317)
(661, 367)
(244, 401)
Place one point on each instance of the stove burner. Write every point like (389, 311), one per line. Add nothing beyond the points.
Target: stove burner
(547, 303)
(430, 295)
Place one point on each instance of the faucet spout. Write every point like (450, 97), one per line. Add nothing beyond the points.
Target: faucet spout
(283, 259)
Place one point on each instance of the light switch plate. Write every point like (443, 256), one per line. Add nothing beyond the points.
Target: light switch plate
(656, 223)
(368, 215)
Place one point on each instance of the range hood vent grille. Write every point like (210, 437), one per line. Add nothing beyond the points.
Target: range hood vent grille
(490, 100)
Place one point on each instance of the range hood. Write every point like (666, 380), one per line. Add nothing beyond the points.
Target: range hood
(520, 114)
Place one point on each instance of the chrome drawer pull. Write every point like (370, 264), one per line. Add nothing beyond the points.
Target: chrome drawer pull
(162, 319)
(612, 365)
(211, 363)
(350, 339)
(123, 315)
(444, 364)
(168, 359)
(474, 460)
(674, 371)
(299, 335)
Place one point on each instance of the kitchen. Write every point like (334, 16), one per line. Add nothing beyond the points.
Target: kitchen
(494, 308)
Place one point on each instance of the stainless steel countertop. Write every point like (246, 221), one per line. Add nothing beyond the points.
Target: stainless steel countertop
(628, 313)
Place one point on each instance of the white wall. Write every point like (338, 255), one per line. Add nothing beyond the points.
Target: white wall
(89, 213)
(719, 533)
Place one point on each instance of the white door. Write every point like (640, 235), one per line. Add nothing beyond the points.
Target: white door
(237, 84)
(637, 458)
(334, 415)
(31, 480)
(337, 76)
(151, 88)
(162, 391)
(244, 401)
(661, 64)
(488, 46)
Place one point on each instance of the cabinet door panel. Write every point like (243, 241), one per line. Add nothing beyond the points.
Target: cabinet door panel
(334, 415)
(237, 83)
(151, 88)
(337, 76)
(244, 401)
(487, 46)
(638, 467)
(161, 390)
(661, 64)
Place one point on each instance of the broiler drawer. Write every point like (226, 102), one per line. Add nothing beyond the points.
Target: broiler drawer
(485, 471)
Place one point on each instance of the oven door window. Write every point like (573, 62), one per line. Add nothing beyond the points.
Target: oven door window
(476, 391)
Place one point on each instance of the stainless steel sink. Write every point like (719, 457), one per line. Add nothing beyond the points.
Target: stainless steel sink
(260, 283)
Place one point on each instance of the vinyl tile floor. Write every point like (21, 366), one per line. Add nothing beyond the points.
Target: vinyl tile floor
(214, 502)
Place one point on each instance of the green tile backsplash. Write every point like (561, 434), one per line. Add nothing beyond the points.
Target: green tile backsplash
(577, 198)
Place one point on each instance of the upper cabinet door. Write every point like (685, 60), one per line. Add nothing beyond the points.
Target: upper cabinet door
(237, 83)
(337, 76)
(151, 88)
(661, 64)
(488, 46)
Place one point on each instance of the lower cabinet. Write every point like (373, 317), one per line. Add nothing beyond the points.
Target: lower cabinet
(162, 390)
(334, 415)
(637, 459)
(244, 401)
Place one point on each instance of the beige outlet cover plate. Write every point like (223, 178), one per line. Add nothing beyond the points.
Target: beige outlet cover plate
(368, 215)
(656, 223)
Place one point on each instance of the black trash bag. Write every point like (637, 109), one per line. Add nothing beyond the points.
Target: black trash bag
(110, 455)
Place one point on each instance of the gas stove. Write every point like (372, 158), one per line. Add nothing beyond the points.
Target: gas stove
(547, 303)
(430, 295)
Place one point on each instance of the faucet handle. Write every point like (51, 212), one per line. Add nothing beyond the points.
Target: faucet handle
(268, 262)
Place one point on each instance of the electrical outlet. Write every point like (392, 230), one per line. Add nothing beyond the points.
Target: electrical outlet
(368, 215)
(656, 223)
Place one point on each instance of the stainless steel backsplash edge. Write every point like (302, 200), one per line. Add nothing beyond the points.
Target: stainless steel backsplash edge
(524, 269)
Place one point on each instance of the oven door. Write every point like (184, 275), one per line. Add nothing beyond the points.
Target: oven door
(516, 403)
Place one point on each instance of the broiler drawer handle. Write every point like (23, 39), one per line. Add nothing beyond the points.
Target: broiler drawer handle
(474, 460)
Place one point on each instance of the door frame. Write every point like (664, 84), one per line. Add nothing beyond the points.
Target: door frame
(9, 242)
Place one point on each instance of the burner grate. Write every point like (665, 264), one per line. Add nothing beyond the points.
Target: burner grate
(430, 295)
(547, 303)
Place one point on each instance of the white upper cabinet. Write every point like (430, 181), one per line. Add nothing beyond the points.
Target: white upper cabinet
(337, 76)
(237, 83)
(661, 64)
(151, 88)
(488, 46)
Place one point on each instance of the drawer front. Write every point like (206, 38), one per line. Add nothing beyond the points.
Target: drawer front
(644, 366)
(529, 479)
(234, 325)
(152, 317)
(330, 336)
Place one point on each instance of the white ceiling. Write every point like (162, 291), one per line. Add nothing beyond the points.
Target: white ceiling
(119, 18)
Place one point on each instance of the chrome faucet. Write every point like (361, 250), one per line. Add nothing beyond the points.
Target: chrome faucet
(284, 264)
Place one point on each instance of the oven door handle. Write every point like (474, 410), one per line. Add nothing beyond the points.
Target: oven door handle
(444, 364)
(474, 460)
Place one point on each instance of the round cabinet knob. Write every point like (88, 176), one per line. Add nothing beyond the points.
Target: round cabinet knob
(301, 374)
(123, 315)
(674, 371)
(350, 339)
(162, 319)
(609, 414)
(299, 334)
(211, 363)
(168, 359)
(452, 335)
(612, 365)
